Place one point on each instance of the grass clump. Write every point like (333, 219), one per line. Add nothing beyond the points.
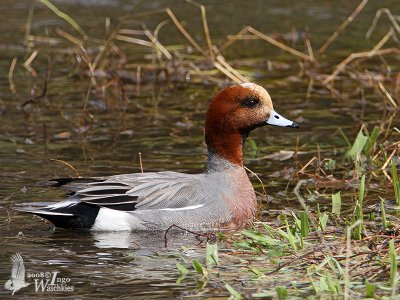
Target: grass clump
(359, 214)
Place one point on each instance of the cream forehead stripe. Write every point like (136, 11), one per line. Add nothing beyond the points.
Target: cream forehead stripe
(259, 89)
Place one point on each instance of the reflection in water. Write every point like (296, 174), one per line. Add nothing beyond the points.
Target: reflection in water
(144, 240)
(120, 239)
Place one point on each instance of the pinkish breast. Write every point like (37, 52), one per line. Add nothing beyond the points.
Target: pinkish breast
(243, 203)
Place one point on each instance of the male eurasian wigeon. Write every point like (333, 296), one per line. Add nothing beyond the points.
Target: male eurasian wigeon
(221, 197)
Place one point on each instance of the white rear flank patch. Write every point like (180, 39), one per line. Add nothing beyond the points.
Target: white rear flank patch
(183, 208)
(114, 220)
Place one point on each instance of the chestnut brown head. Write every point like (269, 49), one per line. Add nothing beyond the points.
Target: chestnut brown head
(233, 113)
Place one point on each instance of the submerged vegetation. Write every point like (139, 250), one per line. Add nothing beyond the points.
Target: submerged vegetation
(344, 248)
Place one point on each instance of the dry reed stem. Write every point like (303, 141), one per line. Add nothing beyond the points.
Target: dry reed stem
(138, 80)
(34, 97)
(86, 58)
(198, 72)
(233, 38)
(69, 37)
(310, 87)
(44, 40)
(307, 164)
(386, 93)
(134, 40)
(310, 50)
(67, 164)
(92, 82)
(388, 160)
(278, 44)
(259, 179)
(389, 124)
(207, 31)
(342, 26)
(63, 16)
(243, 37)
(334, 92)
(260, 35)
(102, 51)
(130, 31)
(51, 159)
(205, 27)
(140, 162)
(227, 73)
(396, 144)
(28, 62)
(159, 26)
(223, 62)
(28, 25)
(148, 13)
(107, 26)
(11, 75)
(358, 55)
(376, 19)
(183, 31)
(382, 42)
(157, 44)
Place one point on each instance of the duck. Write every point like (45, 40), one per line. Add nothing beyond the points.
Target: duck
(222, 197)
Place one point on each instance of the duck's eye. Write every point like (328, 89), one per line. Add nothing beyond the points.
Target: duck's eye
(250, 102)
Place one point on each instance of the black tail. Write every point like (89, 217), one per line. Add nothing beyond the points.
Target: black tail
(76, 216)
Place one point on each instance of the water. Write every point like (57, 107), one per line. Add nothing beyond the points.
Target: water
(164, 123)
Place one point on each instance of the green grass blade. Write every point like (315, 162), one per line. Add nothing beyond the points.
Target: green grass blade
(182, 272)
(361, 191)
(304, 224)
(289, 236)
(369, 290)
(372, 141)
(393, 263)
(358, 230)
(336, 203)
(281, 292)
(257, 272)
(358, 146)
(323, 221)
(212, 254)
(383, 213)
(199, 268)
(359, 215)
(234, 293)
(182, 269)
(63, 16)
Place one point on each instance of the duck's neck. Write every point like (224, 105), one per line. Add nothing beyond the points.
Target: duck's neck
(224, 150)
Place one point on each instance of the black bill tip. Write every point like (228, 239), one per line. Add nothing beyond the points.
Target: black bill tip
(294, 125)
